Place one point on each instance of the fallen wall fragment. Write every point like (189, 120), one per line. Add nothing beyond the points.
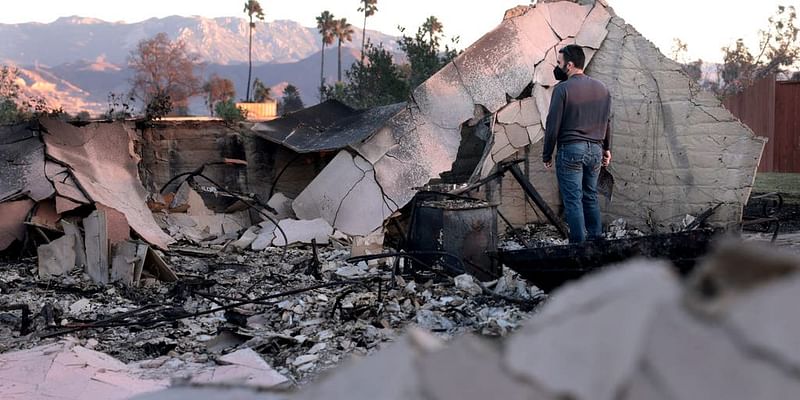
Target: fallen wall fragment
(102, 160)
(508, 72)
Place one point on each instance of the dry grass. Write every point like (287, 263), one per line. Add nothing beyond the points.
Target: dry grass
(788, 185)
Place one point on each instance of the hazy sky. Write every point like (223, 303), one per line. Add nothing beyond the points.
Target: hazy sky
(706, 25)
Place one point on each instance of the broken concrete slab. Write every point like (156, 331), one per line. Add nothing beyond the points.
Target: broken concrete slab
(57, 257)
(12, 225)
(22, 164)
(104, 165)
(303, 231)
(346, 195)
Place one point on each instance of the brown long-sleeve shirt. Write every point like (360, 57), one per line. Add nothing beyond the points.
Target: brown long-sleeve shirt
(579, 110)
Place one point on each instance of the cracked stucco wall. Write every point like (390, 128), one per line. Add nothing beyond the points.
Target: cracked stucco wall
(676, 150)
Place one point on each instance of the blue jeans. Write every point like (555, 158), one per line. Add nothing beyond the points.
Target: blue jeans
(577, 169)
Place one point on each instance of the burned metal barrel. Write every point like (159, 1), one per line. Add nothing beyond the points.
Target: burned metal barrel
(465, 229)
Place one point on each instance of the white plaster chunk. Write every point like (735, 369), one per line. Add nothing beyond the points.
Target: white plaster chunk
(303, 231)
(529, 114)
(282, 205)
(444, 99)
(517, 136)
(596, 329)
(593, 31)
(57, 257)
(566, 17)
(538, 37)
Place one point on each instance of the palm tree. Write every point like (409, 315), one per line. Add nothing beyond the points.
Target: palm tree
(325, 25)
(368, 7)
(433, 27)
(253, 9)
(344, 32)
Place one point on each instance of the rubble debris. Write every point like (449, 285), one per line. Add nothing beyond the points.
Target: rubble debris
(116, 184)
(644, 334)
(303, 231)
(65, 370)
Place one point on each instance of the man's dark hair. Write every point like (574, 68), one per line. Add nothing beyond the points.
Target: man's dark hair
(573, 53)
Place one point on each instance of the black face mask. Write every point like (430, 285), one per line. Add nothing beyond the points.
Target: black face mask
(560, 74)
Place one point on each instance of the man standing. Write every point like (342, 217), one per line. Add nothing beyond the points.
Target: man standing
(579, 123)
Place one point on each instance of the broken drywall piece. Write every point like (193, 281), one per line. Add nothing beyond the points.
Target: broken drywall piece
(593, 31)
(101, 160)
(242, 367)
(22, 164)
(96, 242)
(123, 262)
(57, 257)
(71, 229)
(12, 225)
(303, 231)
(566, 18)
(282, 206)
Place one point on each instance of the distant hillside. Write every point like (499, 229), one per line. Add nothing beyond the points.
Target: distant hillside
(85, 85)
(216, 40)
